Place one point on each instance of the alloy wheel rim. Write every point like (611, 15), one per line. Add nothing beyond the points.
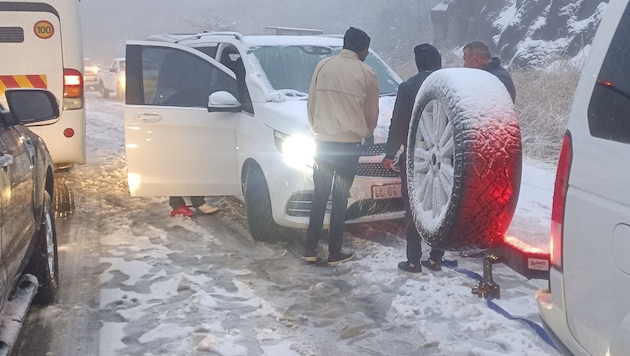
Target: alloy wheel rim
(433, 163)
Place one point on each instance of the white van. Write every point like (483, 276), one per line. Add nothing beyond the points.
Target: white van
(586, 307)
(225, 114)
(41, 47)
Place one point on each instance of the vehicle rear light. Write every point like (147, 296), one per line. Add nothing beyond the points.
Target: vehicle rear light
(559, 198)
(72, 89)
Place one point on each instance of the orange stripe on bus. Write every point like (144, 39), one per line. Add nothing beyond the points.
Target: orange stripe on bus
(38, 81)
(22, 81)
(9, 81)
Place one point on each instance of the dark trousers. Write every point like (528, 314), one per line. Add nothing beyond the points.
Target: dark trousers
(414, 241)
(335, 166)
(175, 202)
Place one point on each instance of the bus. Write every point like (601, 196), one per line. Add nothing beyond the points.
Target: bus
(41, 47)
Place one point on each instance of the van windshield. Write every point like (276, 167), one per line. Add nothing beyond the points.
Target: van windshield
(291, 67)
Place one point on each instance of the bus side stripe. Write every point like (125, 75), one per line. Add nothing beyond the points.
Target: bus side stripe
(38, 81)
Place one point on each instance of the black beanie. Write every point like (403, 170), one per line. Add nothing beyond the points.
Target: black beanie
(356, 40)
(427, 57)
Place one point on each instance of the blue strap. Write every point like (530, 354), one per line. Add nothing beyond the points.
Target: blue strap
(537, 328)
(494, 306)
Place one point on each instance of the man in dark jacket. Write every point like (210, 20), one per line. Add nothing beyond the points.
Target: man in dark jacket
(477, 55)
(428, 59)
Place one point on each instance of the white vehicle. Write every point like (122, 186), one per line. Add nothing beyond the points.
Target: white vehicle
(89, 74)
(586, 306)
(225, 114)
(112, 79)
(40, 47)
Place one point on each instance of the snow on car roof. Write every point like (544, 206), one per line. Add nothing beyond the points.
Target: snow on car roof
(254, 40)
(280, 40)
(192, 39)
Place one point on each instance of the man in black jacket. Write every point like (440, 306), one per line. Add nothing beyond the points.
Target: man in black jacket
(428, 59)
(477, 55)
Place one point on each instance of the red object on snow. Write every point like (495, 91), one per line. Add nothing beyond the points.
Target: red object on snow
(183, 210)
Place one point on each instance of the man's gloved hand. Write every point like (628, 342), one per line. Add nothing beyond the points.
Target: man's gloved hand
(388, 163)
(391, 164)
(368, 140)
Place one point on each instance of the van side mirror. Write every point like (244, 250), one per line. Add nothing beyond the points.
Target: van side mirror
(223, 101)
(32, 105)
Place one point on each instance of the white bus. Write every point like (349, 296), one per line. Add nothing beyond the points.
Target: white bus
(41, 47)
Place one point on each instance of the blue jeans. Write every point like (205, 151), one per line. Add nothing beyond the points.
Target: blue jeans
(335, 166)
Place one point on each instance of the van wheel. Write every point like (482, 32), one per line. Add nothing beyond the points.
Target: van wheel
(104, 92)
(43, 263)
(258, 204)
(464, 160)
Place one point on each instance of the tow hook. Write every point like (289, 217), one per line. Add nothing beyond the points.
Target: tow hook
(487, 287)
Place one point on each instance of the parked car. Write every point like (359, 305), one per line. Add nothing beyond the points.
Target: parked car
(225, 114)
(112, 79)
(586, 307)
(29, 238)
(89, 74)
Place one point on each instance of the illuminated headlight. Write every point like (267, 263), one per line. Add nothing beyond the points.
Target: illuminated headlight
(298, 150)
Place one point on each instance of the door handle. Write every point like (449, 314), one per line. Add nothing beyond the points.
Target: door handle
(148, 117)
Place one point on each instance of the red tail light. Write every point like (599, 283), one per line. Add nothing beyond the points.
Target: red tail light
(72, 89)
(559, 199)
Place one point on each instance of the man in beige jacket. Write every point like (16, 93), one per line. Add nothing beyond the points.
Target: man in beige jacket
(342, 111)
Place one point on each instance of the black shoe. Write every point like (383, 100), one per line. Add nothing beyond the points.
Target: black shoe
(337, 258)
(432, 265)
(409, 267)
(310, 256)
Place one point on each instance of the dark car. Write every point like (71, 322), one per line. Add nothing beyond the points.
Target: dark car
(28, 239)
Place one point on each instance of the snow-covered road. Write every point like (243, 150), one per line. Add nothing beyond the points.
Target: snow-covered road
(136, 282)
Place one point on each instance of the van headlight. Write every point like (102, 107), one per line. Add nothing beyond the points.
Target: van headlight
(298, 150)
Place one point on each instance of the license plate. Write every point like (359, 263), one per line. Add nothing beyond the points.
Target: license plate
(386, 191)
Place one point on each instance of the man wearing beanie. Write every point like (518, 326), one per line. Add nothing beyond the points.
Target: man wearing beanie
(428, 59)
(342, 112)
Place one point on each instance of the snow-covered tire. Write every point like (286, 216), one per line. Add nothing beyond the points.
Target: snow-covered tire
(43, 263)
(258, 205)
(464, 160)
(104, 92)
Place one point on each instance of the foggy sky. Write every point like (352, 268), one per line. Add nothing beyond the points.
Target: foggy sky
(107, 24)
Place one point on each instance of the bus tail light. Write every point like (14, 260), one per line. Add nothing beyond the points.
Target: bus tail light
(72, 89)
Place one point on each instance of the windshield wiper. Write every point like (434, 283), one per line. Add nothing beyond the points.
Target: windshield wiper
(291, 93)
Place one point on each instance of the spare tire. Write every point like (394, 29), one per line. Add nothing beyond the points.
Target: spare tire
(464, 160)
